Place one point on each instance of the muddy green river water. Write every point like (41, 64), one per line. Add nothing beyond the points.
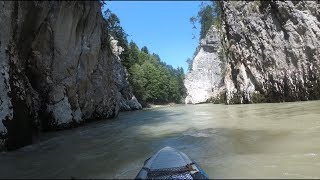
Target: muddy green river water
(236, 141)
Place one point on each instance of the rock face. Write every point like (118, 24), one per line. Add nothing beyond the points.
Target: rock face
(125, 98)
(57, 69)
(204, 81)
(271, 51)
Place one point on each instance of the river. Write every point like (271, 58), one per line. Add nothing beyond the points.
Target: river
(228, 141)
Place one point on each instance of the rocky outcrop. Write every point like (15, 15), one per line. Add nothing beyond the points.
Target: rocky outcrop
(271, 50)
(57, 68)
(125, 98)
(203, 83)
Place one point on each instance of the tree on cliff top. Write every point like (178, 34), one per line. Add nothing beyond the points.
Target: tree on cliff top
(145, 50)
(114, 27)
(208, 15)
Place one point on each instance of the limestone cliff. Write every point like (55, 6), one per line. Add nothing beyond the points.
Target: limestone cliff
(57, 69)
(205, 80)
(271, 50)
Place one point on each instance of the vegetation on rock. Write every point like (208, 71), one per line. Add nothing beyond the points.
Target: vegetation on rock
(208, 15)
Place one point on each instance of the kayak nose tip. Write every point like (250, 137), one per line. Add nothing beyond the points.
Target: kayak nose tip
(167, 148)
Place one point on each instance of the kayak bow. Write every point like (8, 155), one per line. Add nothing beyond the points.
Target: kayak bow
(169, 163)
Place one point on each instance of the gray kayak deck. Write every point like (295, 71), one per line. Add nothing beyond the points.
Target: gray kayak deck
(168, 158)
(169, 163)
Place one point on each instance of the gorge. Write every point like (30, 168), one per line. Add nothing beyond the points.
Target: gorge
(61, 67)
(64, 64)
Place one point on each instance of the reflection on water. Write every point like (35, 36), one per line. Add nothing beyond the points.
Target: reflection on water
(235, 141)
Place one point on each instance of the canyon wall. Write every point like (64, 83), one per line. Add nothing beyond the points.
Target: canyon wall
(58, 69)
(271, 51)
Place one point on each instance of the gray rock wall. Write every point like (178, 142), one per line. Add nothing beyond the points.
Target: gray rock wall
(204, 81)
(56, 67)
(271, 50)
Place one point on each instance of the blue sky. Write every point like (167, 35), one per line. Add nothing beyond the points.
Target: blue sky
(162, 26)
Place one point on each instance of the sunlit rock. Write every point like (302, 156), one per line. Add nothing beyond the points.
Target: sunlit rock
(272, 50)
(271, 54)
(203, 82)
